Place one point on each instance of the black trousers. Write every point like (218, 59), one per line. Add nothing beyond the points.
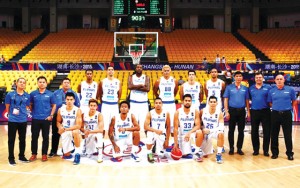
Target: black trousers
(55, 135)
(262, 116)
(283, 118)
(237, 116)
(13, 127)
(36, 126)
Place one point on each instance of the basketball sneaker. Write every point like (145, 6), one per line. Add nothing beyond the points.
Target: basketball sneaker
(135, 157)
(188, 156)
(150, 158)
(12, 162)
(67, 157)
(44, 158)
(23, 160)
(199, 156)
(116, 159)
(76, 159)
(223, 150)
(219, 158)
(32, 158)
(100, 158)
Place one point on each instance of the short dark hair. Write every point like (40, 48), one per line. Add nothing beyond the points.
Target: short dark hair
(212, 97)
(212, 69)
(238, 73)
(110, 66)
(191, 71)
(187, 95)
(93, 101)
(158, 98)
(124, 102)
(88, 70)
(70, 94)
(42, 77)
(258, 73)
(66, 78)
(21, 78)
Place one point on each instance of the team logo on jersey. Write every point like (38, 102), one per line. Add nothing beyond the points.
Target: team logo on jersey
(192, 113)
(216, 115)
(172, 80)
(73, 112)
(128, 119)
(219, 83)
(164, 115)
(116, 83)
(96, 117)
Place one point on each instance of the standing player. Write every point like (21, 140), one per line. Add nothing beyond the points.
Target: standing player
(157, 125)
(60, 99)
(68, 124)
(88, 90)
(193, 88)
(17, 102)
(139, 86)
(109, 93)
(186, 128)
(213, 127)
(168, 88)
(93, 130)
(214, 87)
(123, 131)
(43, 107)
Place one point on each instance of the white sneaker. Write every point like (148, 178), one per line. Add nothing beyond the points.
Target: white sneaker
(135, 157)
(100, 159)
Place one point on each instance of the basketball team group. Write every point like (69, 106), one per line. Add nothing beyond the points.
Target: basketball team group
(81, 128)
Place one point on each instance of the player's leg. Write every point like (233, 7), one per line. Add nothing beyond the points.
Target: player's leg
(198, 136)
(90, 144)
(117, 156)
(149, 144)
(135, 146)
(67, 144)
(98, 140)
(220, 145)
(185, 147)
(160, 150)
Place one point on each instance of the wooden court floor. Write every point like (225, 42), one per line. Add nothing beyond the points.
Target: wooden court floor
(236, 171)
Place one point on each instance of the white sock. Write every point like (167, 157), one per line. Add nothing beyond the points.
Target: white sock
(149, 151)
(134, 149)
(99, 151)
(220, 149)
(77, 149)
(197, 149)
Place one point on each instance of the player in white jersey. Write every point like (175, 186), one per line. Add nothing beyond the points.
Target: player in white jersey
(213, 128)
(68, 123)
(187, 128)
(157, 125)
(214, 87)
(194, 88)
(123, 132)
(168, 88)
(92, 126)
(109, 93)
(88, 90)
(139, 86)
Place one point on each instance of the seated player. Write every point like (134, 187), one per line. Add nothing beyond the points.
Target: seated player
(92, 127)
(123, 131)
(68, 123)
(186, 128)
(213, 128)
(157, 125)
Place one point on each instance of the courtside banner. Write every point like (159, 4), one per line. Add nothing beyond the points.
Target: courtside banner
(65, 67)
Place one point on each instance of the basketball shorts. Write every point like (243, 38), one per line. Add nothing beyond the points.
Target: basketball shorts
(93, 141)
(140, 111)
(159, 139)
(108, 111)
(171, 108)
(186, 146)
(122, 143)
(207, 144)
(67, 141)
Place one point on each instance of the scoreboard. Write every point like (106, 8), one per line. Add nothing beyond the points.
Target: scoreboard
(145, 7)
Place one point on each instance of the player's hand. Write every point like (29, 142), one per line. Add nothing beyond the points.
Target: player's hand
(159, 132)
(61, 130)
(187, 137)
(166, 144)
(206, 131)
(86, 133)
(227, 115)
(117, 149)
(121, 129)
(175, 147)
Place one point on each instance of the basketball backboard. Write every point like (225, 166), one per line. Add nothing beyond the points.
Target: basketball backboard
(146, 43)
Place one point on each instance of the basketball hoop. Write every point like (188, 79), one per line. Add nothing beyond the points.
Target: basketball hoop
(136, 57)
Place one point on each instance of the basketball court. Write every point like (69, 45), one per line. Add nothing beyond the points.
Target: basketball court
(236, 171)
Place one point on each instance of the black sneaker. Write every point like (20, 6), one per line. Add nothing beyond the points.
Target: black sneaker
(12, 162)
(51, 154)
(23, 160)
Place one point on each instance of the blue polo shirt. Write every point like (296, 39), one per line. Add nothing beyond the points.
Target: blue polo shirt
(281, 99)
(259, 97)
(19, 102)
(41, 104)
(60, 98)
(236, 96)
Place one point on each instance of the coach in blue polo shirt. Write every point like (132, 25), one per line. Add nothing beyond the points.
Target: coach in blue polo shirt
(17, 102)
(260, 113)
(60, 99)
(236, 98)
(282, 99)
(43, 107)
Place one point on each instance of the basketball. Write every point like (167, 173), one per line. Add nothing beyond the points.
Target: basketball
(176, 154)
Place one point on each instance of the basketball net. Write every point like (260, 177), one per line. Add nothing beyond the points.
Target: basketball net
(136, 57)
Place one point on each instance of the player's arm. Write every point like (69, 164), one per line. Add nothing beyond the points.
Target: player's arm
(156, 88)
(146, 87)
(131, 86)
(223, 88)
(111, 132)
(176, 88)
(82, 123)
(176, 125)
(59, 125)
(201, 94)
(205, 91)
(181, 92)
(120, 91)
(168, 130)
(147, 123)
(136, 126)
(79, 88)
(100, 92)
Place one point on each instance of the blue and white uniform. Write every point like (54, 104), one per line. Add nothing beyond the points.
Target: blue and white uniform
(88, 91)
(194, 91)
(215, 89)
